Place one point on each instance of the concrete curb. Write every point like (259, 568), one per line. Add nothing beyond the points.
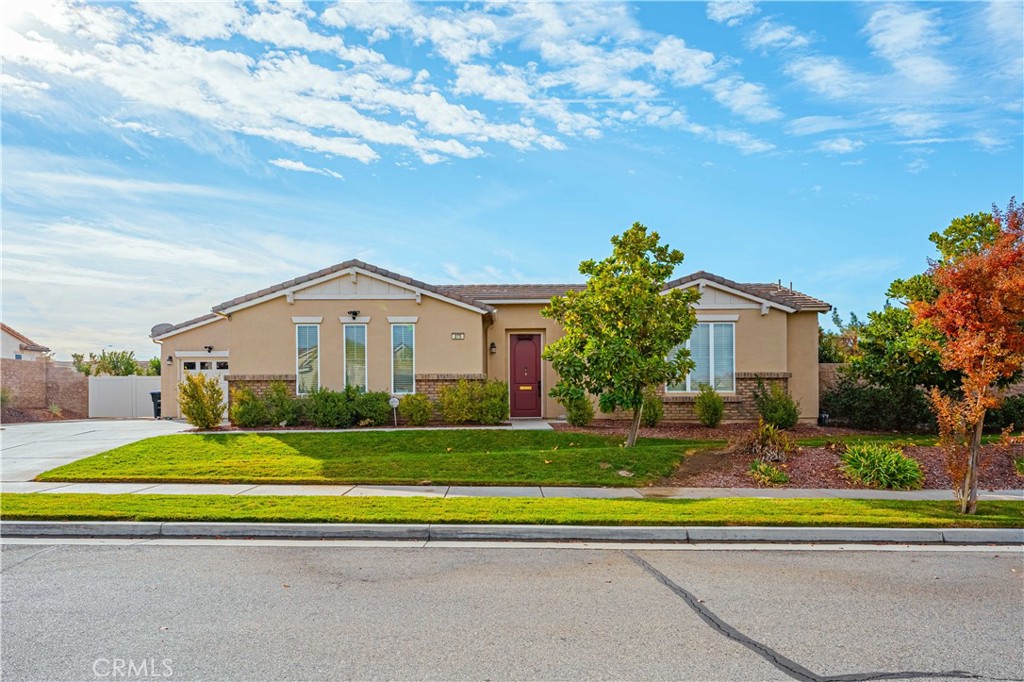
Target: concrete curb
(427, 532)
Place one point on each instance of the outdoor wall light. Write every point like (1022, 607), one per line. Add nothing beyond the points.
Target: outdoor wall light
(493, 347)
(354, 313)
(170, 359)
(209, 349)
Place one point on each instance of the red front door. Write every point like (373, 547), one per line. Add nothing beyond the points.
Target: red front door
(524, 375)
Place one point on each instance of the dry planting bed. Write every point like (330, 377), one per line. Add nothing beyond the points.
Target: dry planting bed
(809, 467)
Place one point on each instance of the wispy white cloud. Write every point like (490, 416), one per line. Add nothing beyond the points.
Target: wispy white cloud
(916, 166)
(839, 145)
(730, 12)
(289, 164)
(749, 100)
(910, 38)
(769, 34)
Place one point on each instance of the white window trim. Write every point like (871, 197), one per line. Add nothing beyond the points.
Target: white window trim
(717, 318)
(392, 353)
(403, 319)
(358, 319)
(200, 354)
(711, 358)
(366, 350)
(307, 320)
(297, 385)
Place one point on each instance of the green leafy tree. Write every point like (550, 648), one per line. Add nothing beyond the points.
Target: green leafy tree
(839, 345)
(154, 367)
(902, 353)
(623, 333)
(117, 363)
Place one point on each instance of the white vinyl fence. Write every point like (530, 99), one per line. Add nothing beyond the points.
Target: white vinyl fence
(122, 396)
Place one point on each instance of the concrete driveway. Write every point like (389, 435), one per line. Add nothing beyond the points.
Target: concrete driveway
(27, 450)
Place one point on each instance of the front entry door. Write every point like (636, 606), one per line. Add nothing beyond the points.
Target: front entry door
(524, 376)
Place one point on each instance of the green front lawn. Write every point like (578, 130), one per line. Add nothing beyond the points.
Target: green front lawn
(443, 457)
(706, 512)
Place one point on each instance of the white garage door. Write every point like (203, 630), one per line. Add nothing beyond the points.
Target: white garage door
(210, 366)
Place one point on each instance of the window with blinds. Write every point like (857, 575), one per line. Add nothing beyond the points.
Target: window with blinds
(307, 358)
(713, 351)
(403, 358)
(355, 356)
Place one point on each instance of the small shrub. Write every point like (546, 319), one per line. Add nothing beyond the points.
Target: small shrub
(457, 402)
(416, 409)
(372, 408)
(201, 400)
(6, 397)
(327, 409)
(248, 410)
(653, 410)
(767, 474)
(776, 406)
(578, 411)
(283, 409)
(768, 443)
(1019, 465)
(709, 406)
(56, 410)
(492, 405)
(879, 465)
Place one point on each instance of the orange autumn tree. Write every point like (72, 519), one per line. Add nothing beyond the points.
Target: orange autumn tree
(980, 311)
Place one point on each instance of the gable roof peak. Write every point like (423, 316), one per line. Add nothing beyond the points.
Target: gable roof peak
(339, 268)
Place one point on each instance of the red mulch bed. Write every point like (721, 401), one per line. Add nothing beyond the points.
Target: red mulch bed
(808, 467)
(11, 415)
(820, 468)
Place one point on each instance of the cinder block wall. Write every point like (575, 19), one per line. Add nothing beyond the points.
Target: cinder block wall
(37, 384)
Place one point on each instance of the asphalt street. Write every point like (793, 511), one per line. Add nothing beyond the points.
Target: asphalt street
(238, 611)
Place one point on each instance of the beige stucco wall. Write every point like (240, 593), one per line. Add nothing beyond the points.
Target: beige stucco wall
(264, 338)
(216, 334)
(523, 319)
(760, 339)
(803, 363)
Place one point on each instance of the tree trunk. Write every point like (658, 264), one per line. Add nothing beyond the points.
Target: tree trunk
(634, 427)
(969, 499)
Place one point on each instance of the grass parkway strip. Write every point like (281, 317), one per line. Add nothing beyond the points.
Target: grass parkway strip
(449, 457)
(498, 510)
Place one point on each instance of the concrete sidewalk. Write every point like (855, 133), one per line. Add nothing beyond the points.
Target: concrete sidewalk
(444, 491)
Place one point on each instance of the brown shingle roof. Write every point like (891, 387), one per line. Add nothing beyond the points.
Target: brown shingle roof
(768, 292)
(477, 295)
(353, 263)
(511, 292)
(26, 343)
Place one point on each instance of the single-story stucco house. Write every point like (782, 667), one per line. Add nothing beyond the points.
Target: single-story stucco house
(357, 324)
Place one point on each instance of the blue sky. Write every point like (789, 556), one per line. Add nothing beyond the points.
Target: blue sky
(160, 158)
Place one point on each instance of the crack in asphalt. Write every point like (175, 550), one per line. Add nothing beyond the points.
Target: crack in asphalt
(6, 568)
(786, 665)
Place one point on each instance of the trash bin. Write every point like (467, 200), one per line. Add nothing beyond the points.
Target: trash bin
(155, 395)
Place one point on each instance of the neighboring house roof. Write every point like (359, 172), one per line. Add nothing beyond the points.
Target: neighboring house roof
(480, 296)
(340, 267)
(767, 292)
(25, 342)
